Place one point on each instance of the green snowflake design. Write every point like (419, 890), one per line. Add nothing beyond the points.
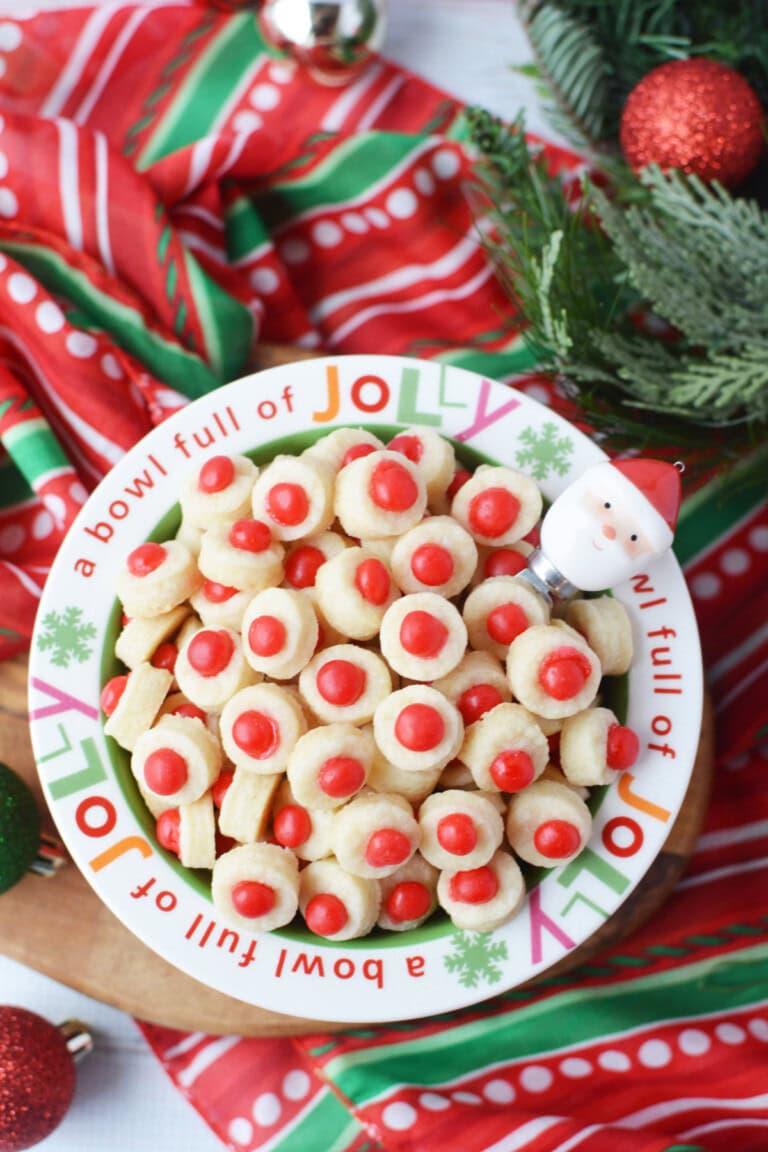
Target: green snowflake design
(65, 635)
(545, 451)
(475, 958)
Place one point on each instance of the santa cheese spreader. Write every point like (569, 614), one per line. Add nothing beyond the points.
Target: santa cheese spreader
(605, 526)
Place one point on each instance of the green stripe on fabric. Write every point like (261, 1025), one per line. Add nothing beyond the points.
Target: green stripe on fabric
(327, 1125)
(14, 487)
(227, 324)
(245, 230)
(688, 991)
(34, 449)
(715, 508)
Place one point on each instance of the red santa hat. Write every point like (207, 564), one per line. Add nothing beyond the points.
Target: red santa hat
(658, 481)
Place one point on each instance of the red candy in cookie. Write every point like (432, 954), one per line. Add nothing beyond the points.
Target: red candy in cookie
(512, 770)
(392, 487)
(476, 886)
(216, 474)
(408, 901)
(251, 898)
(302, 565)
(287, 504)
(493, 512)
(266, 635)
(145, 559)
(210, 651)
(506, 622)
(432, 565)
(221, 786)
(419, 727)
(341, 776)
(165, 771)
(292, 826)
(372, 581)
(250, 535)
(557, 839)
(217, 593)
(410, 446)
(458, 482)
(165, 656)
(256, 734)
(564, 672)
(622, 747)
(356, 452)
(111, 693)
(387, 847)
(504, 562)
(325, 915)
(168, 829)
(422, 634)
(477, 700)
(457, 833)
(341, 682)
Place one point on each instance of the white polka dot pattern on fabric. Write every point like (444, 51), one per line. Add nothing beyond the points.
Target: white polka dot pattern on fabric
(466, 1097)
(398, 1116)
(77, 492)
(9, 205)
(294, 251)
(265, 97)
(3, 263)
(49, 317)
(265, 280)
(355, 223)
(423, 181)
(240, 1130)
(759, 1029)
(11, 538)
(281, 73)
(730, 1033)
(402, 203)
(433, 1102)
(3, 165)
(10, 37)
(536, 1078)
(613, 1061)
(21, 288)
(694, 1042)
(706, 585)
(378, 218)
(575, 1068)
(758, 538)
(42, 525)
(735, 561)
(327, 234)
(267, 1109)
(110, 366)
(81, 345)
(296, 1084)
(654, 1054)
(445, 164)
(246, 121)
(56, 507)
(499, 1092)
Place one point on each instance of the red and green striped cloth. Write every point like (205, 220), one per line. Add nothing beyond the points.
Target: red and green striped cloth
(170, 191)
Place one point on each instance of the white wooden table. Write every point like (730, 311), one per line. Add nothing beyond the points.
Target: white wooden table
(124, 1101)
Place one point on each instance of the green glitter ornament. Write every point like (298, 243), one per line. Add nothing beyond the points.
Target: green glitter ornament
(19, 828)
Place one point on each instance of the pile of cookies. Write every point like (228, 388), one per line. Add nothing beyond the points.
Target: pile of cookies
(342, 698)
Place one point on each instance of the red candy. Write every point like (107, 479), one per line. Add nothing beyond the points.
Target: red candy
(216, 474)
(302, 565)
(476, 701)
(410, 446)
(218, 593)
(564, 672)
(356, 452)
(419, 727)
(459, 480)
(287, 504)
(292, 826)
(145, 559)
(221, 786)
(622, 747)
(392, 487)
(340, 776)
(325, 915)
(372, 581)
(250, 535)
(422, 634)
(504, 562)
(407, 901)
(168, 829)
(341, 682)
(511, 771)
(493, 512)
(111, 693)
(251, 898)
(557, 839)
(191, 711)
(266, 635)
(387, 847)
(457, 833)
(257, 734)
(432, 564)
(165, 657)
(165, 771)
(209, 652)
(476, 886)
(506, 622)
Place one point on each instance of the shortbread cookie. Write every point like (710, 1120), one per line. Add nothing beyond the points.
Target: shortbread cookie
(417, 729)
(506, 750)
(260, 726)
(345, 683)
(380, 546)
(408, 895)
(280, 632)
(438, 555)
(553, 673)
(354, 590)
(548, 824)
(141, 637)
(459, 829)
(605, 625)
(595, 748)
(304, 558)
(423, 636)
(329, 765)
(457, 775)
(242, 555)
(344, 445)
(412, 786)
(327, 635)
(189, 832)
(482, 899)
(381, 494)
(294, 495)
(498, 506)
(220, 606)
(177, 760)
(477, 684)
(190, 537)
(156, 578)
(498, 610)
(336, 904)
(132, 702)
(306, 831)
(508, 561)
(432, 454)
(211, 667)
(246, 804)
(217, 491)
(256, 886)
(375, 834)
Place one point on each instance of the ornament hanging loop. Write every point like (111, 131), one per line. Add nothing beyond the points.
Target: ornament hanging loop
(78, 1039)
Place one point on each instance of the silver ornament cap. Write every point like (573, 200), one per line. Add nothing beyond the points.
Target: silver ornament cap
(331, 38)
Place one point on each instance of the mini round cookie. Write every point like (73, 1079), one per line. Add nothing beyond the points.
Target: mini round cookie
(605, 625)
(499, 609)
(440, 504)
(294, 495)
(382, 494)
(553, 671)
(306, 831)
(189, 831)
(334, 903)
(220, 606)
(482, 899)
(131, 702)
(508, 561)
(219, 490)
(423, 636)
(432, 454)
(456, 775)
(380, 546)
(260, 726)
(345, 684)
(141, 637)
(211, 667)
(242, 555)
(330, 764)
(157, 577)
(280, 632)
(476, 685)
(354, 590)
(412, 786)
(344, 445)
(548, 824)
(177, 760)
(375, 834)
(408, 896)
(506, 750)
(256, 886)
(190, 537)
(497, 505)
(327, 635)
(417, 729)
(438, 555)
(459, 829)
(304, 558)
(244, 800)
(595, 748)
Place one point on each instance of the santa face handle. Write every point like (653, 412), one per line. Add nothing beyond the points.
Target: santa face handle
(615, 518)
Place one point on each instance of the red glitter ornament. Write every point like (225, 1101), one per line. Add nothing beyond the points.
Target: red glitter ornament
(697, 115)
